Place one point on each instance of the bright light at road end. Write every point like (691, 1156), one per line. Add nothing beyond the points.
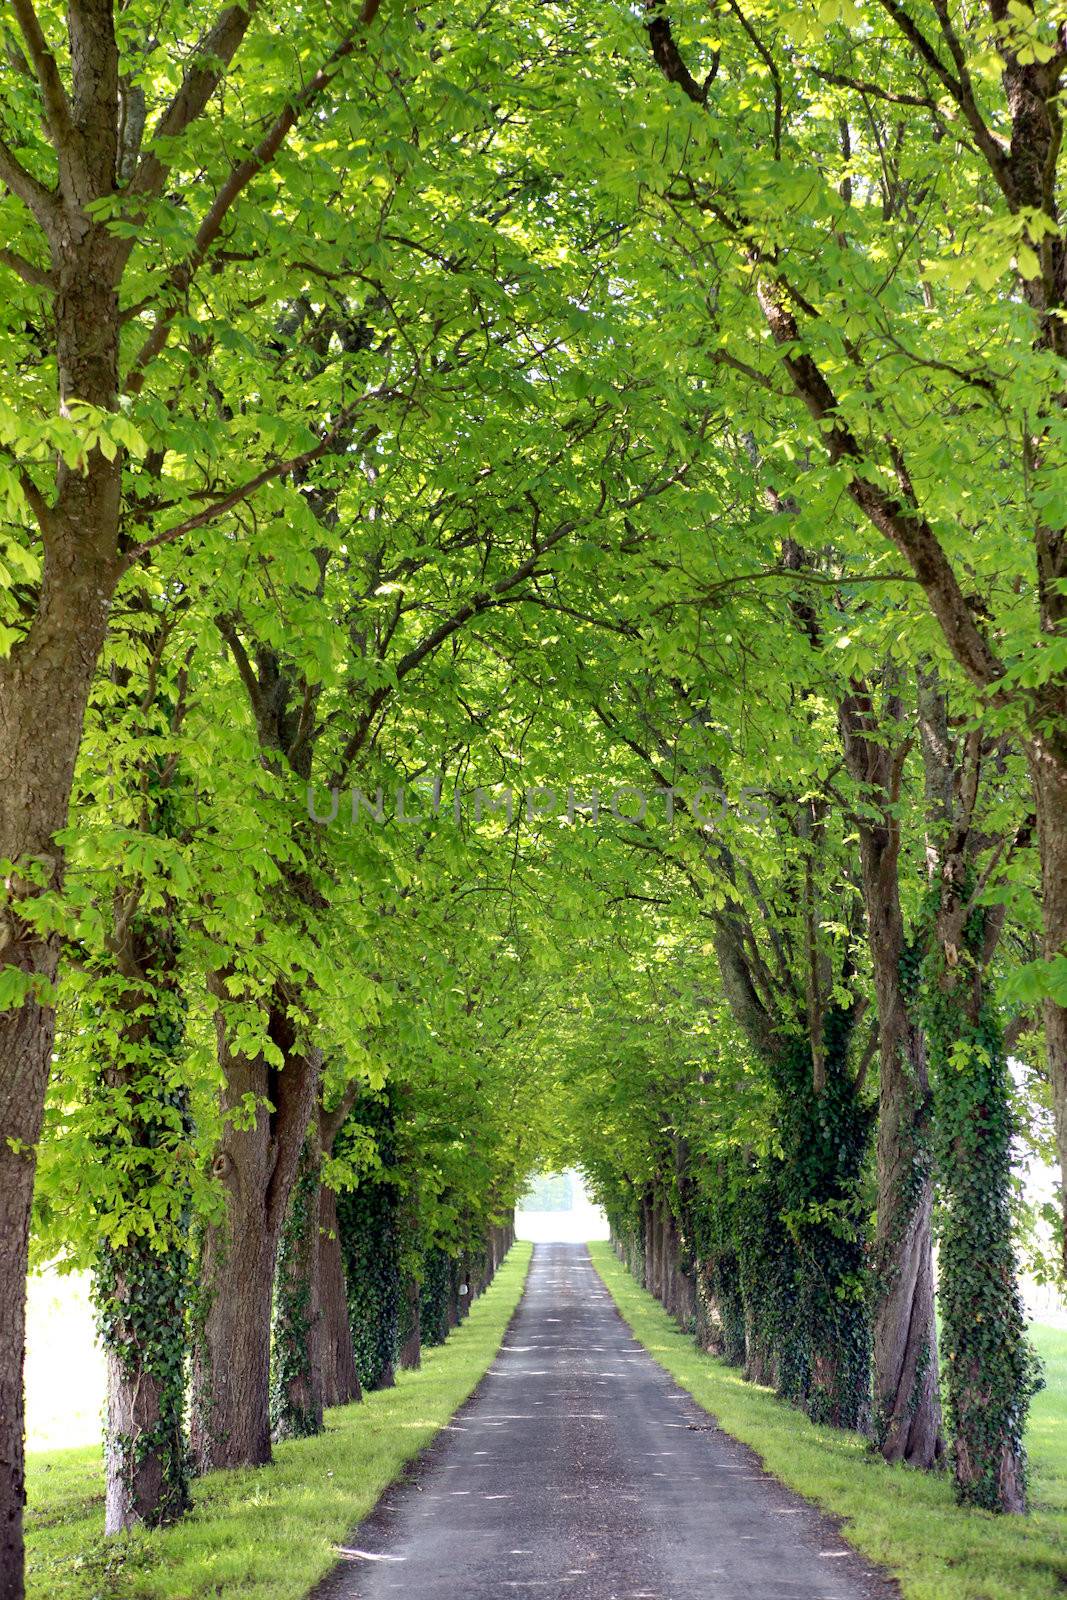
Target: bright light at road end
(557, 1209)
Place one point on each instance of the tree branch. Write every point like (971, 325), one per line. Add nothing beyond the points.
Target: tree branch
(213, 56)
(960, 88)
(182, 275)
(863, 86)
(769, 63)
(33, 194)
(669, 57)
(253, 689)
(243, 491)
(38, 277)
(34, 498)
(65, 137)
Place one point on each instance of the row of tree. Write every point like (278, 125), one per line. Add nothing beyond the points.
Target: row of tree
(410, 409)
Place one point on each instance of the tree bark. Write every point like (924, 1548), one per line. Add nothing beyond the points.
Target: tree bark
(1048, 769)
(256, 1166)
(647, 1241)
(991, 1373)
(297, 1402)
(453, 1296)
(146, 1477)
(410, 1356)
(26, 1046)
(340, 1380)
(140, 1288)
(907, 1406)
(670, 1260)
(990, 1368)
(44, 688)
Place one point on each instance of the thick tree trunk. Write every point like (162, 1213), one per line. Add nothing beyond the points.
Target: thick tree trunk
(368, 1217)
(1048, 768)
(340, 1380)
(907, 1400)
(297, 1403)
(907, 1396)
(410, 1356)
(256, 1165)
(651, 1253)
(231, 1362)
(144, 1333)
(140, 1288)
(647, 1241)
(453, 1296)
(44, 686)
(907, 1407)
(661, 1251)
(670, 1260)
(26, 1046)
(433, 1297)
(656, 1259)
(133, 1488)
(990, 1372)
(664, 1257)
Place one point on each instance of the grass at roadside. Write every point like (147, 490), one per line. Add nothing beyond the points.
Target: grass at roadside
(269, 1533)
(905, 1520)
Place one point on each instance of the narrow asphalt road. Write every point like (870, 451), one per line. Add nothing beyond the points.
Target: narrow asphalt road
(580, 1469)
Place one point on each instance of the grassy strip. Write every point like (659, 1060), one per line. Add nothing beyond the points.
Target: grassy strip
(907, 1521)
(269, 1533)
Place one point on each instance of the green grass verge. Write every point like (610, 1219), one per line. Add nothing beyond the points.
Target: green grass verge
(907, 1521)
(268, 1533)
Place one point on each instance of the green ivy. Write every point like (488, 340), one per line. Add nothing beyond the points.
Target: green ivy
(141, 1285)
(825, 1139)
(295, 1413)
(434, 1296)
(368, 1225)
(990, 1371)
(140, 1295)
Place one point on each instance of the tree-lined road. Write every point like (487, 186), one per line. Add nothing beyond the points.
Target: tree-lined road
(580, 1468)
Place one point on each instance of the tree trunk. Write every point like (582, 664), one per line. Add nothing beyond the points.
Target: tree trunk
(141, 1296)
(141, 1287)
(907, 1395)
(256, 1166)
(410, 1356)
(453, 1293)
(433, 1297)
(648, 1243)
(1048, 768)
(44, 687)
(340, 1380)
(296, 1402)
(907, 1406)
(990, 1370)
(670, 1259)
(907, 1399)
(368, 1218)
(26, 1046)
